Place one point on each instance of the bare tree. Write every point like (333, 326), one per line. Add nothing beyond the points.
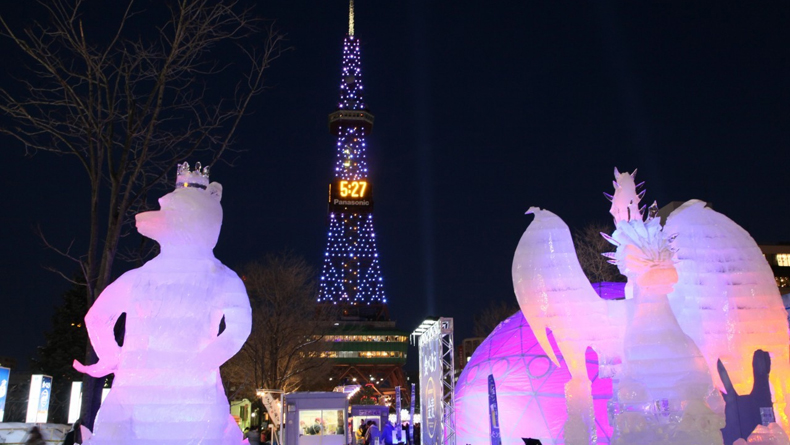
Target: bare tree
(284, 349)
(491, 316)
(589, 247)
(129, 105)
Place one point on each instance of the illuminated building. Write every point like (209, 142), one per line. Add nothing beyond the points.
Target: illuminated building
(362, 341)
(778, 256)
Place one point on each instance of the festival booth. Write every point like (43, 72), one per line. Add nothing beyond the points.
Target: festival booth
(315, 418)
(362, 413)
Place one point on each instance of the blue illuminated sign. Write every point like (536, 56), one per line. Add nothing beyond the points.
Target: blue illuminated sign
(4, 375)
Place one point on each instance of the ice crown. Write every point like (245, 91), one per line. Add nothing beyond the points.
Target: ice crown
(192, 178)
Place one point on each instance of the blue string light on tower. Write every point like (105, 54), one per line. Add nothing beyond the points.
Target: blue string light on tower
(351, 274)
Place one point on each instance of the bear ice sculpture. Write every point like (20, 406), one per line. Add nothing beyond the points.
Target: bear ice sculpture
(167, 388)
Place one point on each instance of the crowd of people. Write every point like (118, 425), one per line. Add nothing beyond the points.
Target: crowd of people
(257, 437)
(369, 433)
(320, 427)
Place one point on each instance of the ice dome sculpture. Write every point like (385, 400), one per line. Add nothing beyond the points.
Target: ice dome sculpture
(530, 389)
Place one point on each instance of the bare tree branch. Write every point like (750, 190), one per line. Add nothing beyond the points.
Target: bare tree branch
(64, 253)
(491, 316)
(589, 247)
(283, 350)
(64, 276)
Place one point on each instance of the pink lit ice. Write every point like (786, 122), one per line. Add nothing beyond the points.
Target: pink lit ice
(554, 294)
(727, 300)
(167, 388)
(699, 290)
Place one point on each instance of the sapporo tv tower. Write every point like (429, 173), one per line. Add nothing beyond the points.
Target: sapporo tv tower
(351, 275)
(362, 342)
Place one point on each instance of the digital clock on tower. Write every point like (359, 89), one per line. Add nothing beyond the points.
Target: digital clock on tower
(352, 189)
(351, 196)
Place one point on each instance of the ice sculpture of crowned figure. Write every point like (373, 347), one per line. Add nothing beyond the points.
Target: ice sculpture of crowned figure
(186, 314)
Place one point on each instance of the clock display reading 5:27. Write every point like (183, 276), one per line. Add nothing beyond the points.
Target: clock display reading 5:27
(352, 189)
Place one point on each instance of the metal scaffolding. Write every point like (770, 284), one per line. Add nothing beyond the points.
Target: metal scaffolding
(441, 330)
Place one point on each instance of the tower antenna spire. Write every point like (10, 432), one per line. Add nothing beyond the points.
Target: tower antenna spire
(351, 17)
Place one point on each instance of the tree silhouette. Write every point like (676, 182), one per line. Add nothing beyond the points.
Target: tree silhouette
(589, 246)
(65, 342)
(284, 349)
(128, 105)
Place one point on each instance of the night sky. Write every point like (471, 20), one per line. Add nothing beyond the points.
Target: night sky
(483, 109)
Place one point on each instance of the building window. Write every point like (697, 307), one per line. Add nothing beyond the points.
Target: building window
(361, 354)
(364, 338)
(783, 281)
(783, 259)
(316, 422)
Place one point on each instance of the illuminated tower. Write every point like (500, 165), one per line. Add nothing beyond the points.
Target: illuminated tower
(362, 343)
(351, 274)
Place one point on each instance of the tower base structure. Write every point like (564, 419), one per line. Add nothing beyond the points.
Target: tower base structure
(364, 351)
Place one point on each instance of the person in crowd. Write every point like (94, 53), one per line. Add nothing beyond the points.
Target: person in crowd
(387, 431)
(72, 436)
(360, 433)
(253, 436)
(266, 437)
(317, 428)
(34, 437)
(372, 435)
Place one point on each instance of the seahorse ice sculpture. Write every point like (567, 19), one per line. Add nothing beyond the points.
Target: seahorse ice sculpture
(167, 388)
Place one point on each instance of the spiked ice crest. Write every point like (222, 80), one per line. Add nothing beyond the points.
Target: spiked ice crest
(641, 244)
(625, 201)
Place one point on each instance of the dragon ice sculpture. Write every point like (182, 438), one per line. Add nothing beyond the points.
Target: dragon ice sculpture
(714, 299)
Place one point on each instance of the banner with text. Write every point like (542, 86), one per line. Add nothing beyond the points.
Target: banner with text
(431, 388)
(493, 412)
(38, 398)
(272, 407)
(398, 428)
(5, 374)
(411, 413)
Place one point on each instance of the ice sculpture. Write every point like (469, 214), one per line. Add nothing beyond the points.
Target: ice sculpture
(665, 393)
(626, 198)
(727, 300)
(186, 314)
(530, 389)
(554, 293)
(715, 300)
(766, 435)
